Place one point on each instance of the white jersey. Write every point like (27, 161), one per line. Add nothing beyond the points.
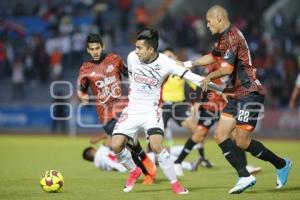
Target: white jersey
(106, 159)
(146, 80)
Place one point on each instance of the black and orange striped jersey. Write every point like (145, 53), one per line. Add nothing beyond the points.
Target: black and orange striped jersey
(104, 79)
(232, 48)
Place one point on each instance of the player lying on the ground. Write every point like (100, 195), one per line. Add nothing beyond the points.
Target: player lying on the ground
(104, 158)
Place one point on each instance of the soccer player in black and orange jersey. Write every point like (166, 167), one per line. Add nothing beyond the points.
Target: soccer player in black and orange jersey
(242, 111)
(207, 113)
(103, 75)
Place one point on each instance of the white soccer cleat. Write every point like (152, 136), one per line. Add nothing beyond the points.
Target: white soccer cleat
(242, 184)
(253, 169)
(128, 188)
(178, 169)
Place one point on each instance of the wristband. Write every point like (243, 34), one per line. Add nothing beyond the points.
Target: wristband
(188, 64)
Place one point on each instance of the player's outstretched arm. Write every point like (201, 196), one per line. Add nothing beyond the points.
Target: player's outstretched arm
(226, 69)
(177, 69)
(197, 80)
(202, 61)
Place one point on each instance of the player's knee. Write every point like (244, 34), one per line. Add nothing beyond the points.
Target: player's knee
(156, 139)
(118, 144)
(219, 137)
(242, 143)
(198, 137)
(242, 138)
(189, 124)
(117, 148)
(156, 148)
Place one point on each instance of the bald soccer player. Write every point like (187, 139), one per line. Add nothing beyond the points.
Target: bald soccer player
(242, 111)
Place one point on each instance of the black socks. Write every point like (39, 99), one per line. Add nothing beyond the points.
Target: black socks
(229, 150)
(258, 150)
(201, 152)
(241, 154)
(185, 151)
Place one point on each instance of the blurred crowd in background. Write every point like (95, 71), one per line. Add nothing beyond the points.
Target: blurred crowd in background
(44, 40)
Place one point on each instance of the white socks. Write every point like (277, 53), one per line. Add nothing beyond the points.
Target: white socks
(126, 160)
(166, 164)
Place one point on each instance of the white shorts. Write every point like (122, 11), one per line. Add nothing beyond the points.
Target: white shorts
(130, 123)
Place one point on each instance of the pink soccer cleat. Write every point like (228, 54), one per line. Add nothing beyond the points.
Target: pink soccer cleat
(178, 189)
(133, 177)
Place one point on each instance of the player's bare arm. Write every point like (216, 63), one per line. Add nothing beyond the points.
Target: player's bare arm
(97, 138)
(293, 99)
(226, 69)
(202, 61)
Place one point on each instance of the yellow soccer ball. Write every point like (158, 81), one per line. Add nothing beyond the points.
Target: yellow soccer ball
(52, 181)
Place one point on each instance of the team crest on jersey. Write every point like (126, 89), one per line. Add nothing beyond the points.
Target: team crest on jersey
(223, 64)
(157, 67)
(109, 68)
(227, 54)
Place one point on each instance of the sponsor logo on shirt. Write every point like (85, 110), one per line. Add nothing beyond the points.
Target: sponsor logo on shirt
(106, 81)
(109, 68)
(108, 87)
(139, 78)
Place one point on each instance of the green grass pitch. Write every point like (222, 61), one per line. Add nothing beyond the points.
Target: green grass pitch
(25, 158)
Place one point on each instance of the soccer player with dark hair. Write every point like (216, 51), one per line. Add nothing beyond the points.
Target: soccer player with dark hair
(148, 71)
(103, 157)
(103, 74)
(242, 111)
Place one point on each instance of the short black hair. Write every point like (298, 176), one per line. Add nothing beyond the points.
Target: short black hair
(150, 36)
(87, 155)
(94, 38)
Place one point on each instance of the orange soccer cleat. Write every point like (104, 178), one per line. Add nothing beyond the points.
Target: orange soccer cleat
(150, 166)
(148, 180)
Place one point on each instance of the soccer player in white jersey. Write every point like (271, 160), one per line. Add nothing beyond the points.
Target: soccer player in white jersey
(148, 70)
(103, 158)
